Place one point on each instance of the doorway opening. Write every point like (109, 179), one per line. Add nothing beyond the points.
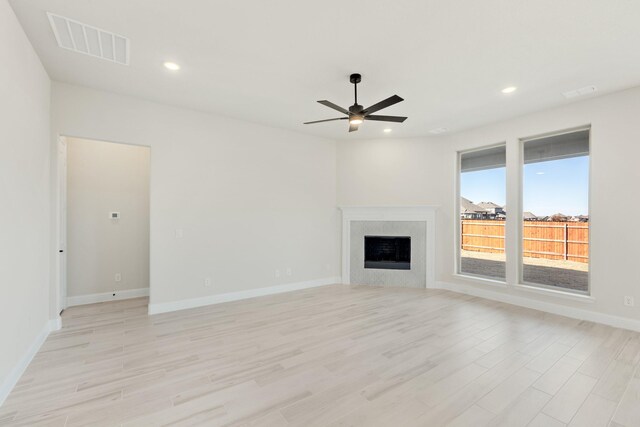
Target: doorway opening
(103, 221)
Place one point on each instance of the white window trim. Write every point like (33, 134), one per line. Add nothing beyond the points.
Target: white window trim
(560, 293)
(520, 282)
(457, 228)
(514, 251)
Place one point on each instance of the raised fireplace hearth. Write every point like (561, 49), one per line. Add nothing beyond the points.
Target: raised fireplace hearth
(387, 252)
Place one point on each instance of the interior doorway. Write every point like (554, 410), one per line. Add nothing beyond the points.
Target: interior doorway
(103, 221)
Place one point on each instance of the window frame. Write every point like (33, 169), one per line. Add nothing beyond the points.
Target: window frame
(458, 223)
(540, 287)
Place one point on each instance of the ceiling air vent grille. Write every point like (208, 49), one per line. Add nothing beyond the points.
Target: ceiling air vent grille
(587, 90)
(92, 41)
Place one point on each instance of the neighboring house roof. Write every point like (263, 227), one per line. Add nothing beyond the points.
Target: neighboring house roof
(529, 215)
(466, 206)
(489, 205)
(556, 217)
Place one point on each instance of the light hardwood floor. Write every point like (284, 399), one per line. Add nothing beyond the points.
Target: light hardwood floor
(330, 356)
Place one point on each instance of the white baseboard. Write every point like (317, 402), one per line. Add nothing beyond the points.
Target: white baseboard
(107, 296)
(14, 375)
(166, 307)
(559, 309)
(55, 324)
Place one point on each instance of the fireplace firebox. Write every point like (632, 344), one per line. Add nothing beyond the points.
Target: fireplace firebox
(387, 252)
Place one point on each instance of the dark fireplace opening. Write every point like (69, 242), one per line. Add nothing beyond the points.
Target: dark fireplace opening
(387, 252)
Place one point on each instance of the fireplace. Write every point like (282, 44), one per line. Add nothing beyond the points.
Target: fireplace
(387, 252)
(415, 222)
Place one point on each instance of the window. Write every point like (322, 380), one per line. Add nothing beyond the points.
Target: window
(481, 236)
(555, 201)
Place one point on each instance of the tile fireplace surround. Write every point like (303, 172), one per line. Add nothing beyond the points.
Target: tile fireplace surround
(415, 221)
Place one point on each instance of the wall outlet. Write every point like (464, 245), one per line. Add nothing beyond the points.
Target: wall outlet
(207, 282)
(628, 301)
(118, 277)
(277, 273)
(288, 271)
(179, 233)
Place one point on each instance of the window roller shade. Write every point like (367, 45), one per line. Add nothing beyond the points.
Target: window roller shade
(488, 158)
(557, 147)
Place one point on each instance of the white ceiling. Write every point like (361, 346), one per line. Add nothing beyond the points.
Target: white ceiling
(269, 61)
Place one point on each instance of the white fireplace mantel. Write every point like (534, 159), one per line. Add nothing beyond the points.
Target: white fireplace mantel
(389, 213)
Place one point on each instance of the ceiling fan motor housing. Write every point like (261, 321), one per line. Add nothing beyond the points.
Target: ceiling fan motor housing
(356, 109)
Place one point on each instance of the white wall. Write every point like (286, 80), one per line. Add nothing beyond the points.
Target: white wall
(428, 166)
(103, 177)
(24, 192)
(395, 172)
(249, 199)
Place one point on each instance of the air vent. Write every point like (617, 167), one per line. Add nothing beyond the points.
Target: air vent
(587, 90)
(92, 41)
(438, 131)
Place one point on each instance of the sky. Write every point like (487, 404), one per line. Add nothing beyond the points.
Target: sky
(548, 188)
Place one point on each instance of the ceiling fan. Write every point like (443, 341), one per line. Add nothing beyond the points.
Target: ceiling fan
(356, 114)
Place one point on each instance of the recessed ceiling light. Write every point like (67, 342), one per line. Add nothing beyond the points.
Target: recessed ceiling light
(509, 89)
(539, 173)
(387, 130)
(171, 66)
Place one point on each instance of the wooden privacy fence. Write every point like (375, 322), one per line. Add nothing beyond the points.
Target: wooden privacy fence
(541, 239)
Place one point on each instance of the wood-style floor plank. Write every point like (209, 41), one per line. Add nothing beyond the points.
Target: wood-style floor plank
(330, 356)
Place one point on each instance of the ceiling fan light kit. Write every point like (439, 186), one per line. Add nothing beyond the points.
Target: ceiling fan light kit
(356, 114)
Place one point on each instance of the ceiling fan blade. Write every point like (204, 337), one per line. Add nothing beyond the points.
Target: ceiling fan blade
(326, 120)
(352, 127)
(383, 104)
(397, 119)
(334, 106)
